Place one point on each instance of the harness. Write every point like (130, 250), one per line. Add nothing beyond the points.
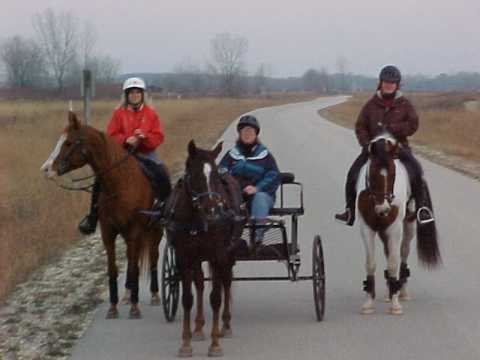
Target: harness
(198, 224)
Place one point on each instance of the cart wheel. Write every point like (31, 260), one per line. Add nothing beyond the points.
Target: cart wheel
(318, 277)
(170, 283)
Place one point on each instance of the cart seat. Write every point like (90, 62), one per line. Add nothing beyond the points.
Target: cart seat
(286, 211)
(287, 178)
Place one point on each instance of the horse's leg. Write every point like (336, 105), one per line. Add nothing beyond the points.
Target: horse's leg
(108, 238)
(394, 236)
(227, 316)
(154, 255)
(187, 302)
(408, 234)
(368, 236)
(216, 301)
(133, 274)
(128, 281)
(200, 317)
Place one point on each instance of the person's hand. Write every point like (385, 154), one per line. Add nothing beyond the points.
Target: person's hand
(139, 134)
(250, 190)
(133, 141)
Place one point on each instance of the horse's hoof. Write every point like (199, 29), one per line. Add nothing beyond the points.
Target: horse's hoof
(395, 311)
(112, 314)
(215, 351)
(198, 336)
(185, 351)
(387, 299)
(368, 311)
(226, 333)
(404, 297)
(135, 314)
(155, 301)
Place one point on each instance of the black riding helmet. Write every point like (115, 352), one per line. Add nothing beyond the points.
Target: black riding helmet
(248, 120)
(390, 73)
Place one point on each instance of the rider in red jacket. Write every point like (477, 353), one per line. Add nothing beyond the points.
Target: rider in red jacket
(142, 124)
(135, 125)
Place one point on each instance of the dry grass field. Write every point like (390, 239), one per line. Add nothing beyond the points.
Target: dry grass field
(446, 124)
(37, 219)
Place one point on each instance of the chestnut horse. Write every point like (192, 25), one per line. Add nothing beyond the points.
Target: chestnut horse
(125, 191)
(387, 209)
(200, 226)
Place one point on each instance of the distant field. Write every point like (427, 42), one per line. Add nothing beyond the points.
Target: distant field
(449, 122)
(37, 219)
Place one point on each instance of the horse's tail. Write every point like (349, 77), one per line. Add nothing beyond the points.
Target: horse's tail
(427, 245)
(427, 240)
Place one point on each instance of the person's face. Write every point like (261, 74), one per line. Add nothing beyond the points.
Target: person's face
(388, 87)
(248, 135)
(135, 96)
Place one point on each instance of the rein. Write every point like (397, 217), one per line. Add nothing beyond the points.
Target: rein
(63, 163)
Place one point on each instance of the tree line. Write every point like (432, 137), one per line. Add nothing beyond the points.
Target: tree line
(62, 47)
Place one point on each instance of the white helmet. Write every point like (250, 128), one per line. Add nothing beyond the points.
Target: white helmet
(134, 82)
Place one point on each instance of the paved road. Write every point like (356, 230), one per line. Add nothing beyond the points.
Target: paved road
(277, 321)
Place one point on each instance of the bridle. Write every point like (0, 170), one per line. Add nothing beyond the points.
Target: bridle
(80, 143)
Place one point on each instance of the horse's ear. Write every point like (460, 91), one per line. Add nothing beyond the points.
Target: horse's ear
(218, 149)
(192, 148)
(73, 121)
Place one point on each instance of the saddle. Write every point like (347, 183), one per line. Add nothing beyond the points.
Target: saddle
(158, 176)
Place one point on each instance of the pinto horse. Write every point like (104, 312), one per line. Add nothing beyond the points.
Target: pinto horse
(125, 191)
(387, 209)
(200, 226)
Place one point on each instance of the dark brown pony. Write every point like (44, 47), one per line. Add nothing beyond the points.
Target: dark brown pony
(125, 191)
(200, 227)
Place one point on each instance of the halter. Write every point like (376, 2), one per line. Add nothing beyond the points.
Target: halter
(201, 224)
(196, 197)
(80, 142)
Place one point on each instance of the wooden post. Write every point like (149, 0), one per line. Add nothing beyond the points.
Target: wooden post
(88, 92)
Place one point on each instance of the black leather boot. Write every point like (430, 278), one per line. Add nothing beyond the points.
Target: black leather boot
(88, 224)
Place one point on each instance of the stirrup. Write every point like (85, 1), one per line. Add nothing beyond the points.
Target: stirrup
(430, 214)
(348, 220)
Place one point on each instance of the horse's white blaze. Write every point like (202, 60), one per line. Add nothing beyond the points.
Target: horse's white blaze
(47, 165)
(207, 171)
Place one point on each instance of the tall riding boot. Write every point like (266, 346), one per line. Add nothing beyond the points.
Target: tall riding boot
(348, 217)
(89, 223)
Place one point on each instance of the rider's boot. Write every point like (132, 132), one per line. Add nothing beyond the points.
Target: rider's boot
(347, 217)
(88, 224)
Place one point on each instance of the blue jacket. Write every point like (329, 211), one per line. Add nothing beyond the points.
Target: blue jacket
(258, 168)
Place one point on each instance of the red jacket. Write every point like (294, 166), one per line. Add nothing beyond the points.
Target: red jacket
(125, 121)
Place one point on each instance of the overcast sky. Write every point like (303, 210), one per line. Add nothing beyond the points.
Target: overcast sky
(421, 36)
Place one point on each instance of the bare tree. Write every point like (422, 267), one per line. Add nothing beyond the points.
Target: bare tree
(228, 57)
(88, 40)
(342, 70)
(22, 61)
(260, 78)
(59, 37)
(105, 68)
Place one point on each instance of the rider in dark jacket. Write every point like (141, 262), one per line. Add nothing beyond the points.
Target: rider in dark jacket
(388, 111)
(255, 169)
